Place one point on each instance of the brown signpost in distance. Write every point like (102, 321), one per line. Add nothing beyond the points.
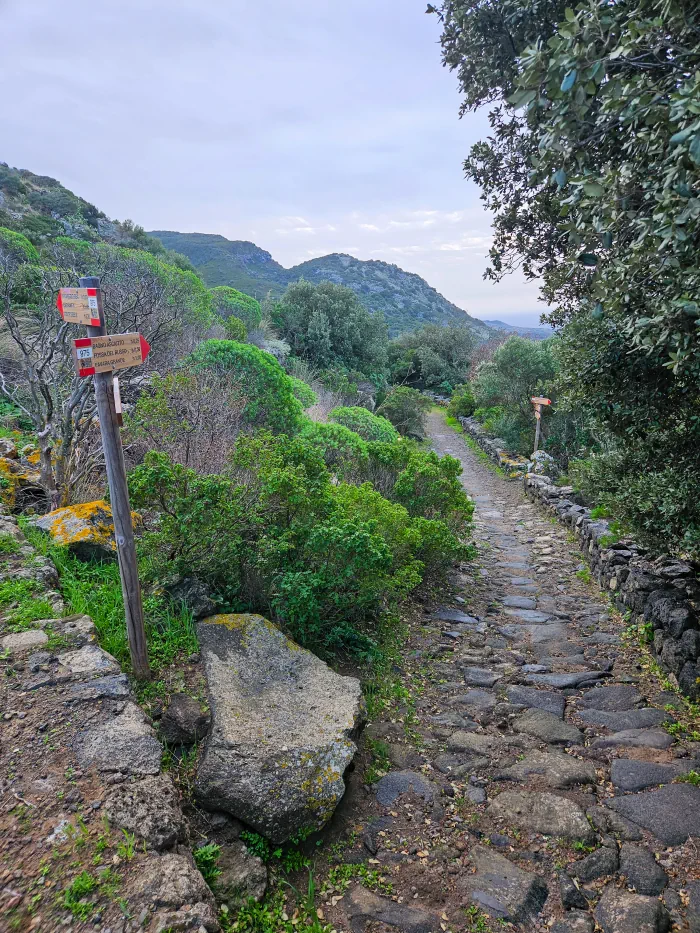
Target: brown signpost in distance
(538, 401)
(104, 348)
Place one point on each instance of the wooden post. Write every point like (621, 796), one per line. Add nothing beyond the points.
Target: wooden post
(538, 422)
(119, 498)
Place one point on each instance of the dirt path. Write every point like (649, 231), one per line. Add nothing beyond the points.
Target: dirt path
(533, 781)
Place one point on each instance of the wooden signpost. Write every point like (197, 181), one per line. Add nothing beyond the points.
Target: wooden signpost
(538, 401)
(98, 355)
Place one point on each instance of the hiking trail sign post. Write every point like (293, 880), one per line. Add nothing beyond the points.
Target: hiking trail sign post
(100, 355)
(538, 401)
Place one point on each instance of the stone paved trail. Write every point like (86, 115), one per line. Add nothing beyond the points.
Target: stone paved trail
(545, 791)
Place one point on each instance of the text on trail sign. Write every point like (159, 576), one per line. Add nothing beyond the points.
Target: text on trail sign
(105, 354)
(79, 306)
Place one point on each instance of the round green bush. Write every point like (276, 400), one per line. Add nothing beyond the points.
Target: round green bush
(235, 329)
(229, 301)
(343, 450)
(370, 427)
(303, 392)
(268, 389)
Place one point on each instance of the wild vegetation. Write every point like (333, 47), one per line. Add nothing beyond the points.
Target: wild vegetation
(323, 526)
(591, 171)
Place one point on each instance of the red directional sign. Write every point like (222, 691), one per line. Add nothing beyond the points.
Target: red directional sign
(79, 306)
(105, 354)
(538, 400)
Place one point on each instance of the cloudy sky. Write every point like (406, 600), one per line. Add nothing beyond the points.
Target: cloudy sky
(311, 127)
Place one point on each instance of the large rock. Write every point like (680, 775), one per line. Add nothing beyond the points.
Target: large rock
(671, 813)
(363, 907)
(86, 529)
(547, 727)
(503, 889)
(283, 728)
(124, 743)
(642, 871)
(542, 812)
(170, 880)
(552, 768)
(619, 911)
(630, 774)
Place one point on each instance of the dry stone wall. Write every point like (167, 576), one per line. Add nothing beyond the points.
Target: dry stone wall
(661, 591)
(495, 447)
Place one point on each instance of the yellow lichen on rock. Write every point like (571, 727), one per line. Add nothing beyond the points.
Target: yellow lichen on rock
(87, 529)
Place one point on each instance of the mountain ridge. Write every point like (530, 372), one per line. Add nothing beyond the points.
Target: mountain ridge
(405, 298)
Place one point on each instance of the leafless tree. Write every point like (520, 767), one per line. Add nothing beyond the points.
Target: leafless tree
(168, 306)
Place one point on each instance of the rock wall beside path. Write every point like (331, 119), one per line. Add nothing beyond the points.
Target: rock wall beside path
(495, 448)
(663, 592)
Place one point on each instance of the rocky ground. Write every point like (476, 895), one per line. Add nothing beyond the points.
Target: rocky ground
(542, 776)
(525, 767)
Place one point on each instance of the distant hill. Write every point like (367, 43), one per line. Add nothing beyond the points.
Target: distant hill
(533, 333)
(406, 300)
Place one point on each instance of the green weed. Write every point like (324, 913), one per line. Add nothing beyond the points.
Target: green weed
(584, 574)
(692, 777)
(206, 858)
(94, 588)
(126, 849)
(74, 895)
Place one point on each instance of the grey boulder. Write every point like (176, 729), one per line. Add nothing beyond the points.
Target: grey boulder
(542, 812)
(183, 722)
(548, 728)
(642, 871)
(283, 728)
(619, 911)
(554, 769)
(501, 888)
(242, 877)
(671, 813)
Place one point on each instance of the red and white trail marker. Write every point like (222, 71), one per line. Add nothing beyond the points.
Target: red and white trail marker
(109, 353)
(79, 306)
(539, 400)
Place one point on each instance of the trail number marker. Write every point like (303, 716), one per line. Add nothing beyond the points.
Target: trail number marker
(79, 306)
(106, 354)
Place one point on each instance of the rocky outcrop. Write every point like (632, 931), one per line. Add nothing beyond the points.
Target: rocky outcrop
(86, 529)
(663, 592)
(283, 728)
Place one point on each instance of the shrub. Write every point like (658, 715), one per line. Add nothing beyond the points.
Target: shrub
(327, 325)
(235, 329)
(194, 417)
(462, 404)
(229, 301)
(343, 451)
(406, 409)
(269, 391)
(370, 427)
(279, 535)
(303, 392)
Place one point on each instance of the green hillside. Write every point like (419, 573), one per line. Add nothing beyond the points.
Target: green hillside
(41, 208)
(405, 299)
